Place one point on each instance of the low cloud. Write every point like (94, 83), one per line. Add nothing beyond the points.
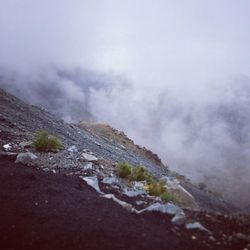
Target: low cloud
(205, 139)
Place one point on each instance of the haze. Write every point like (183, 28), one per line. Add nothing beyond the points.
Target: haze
(174, 75)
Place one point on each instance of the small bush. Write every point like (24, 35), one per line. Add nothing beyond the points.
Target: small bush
(46, 143)
(124, 170)
(166, 197)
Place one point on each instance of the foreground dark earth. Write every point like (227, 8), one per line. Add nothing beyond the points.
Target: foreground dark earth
(41, 210)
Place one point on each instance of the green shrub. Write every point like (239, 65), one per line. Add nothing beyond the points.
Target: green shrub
(166, 197)
(45, 142)
(124, 170)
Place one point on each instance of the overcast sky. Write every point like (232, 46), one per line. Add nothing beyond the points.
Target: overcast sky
(159, 42)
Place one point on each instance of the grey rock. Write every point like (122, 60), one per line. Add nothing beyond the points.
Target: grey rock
(186, 197)
(179, 219)
(242, 236)
(89, 157)
(27, 158)
(131, 193)
(196, 225)
(168, 208)
(212, 238)
(140, 203)
(110, 180)
(25, 144)
(93, 182)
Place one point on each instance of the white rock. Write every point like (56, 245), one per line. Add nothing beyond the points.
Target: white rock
(8, 154)
(97, 143)
(89, 165)
(7, 147)
(26, 158)
(73, 149)
(196, 225)
(89, 157)
(124, 204)
(93, 182)
(168, 208)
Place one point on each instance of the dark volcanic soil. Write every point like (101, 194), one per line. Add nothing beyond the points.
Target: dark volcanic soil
(40, 210)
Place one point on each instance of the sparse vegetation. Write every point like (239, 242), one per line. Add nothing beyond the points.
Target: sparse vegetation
(140, 173)
(133, 173)
(45, 142)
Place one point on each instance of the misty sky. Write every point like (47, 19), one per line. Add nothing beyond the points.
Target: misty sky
(174, 75)
(151, 42)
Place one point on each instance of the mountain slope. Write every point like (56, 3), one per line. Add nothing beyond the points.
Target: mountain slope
(92, 219)
(19, 122)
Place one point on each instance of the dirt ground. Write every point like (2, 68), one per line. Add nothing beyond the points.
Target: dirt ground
(40, 210)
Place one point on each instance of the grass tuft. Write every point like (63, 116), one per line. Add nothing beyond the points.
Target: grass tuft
(156, 188)
(45, 142)
(133, 173)
(166, 197)
(124, 170)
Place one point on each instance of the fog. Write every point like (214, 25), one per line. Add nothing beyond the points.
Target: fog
(174, 75)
